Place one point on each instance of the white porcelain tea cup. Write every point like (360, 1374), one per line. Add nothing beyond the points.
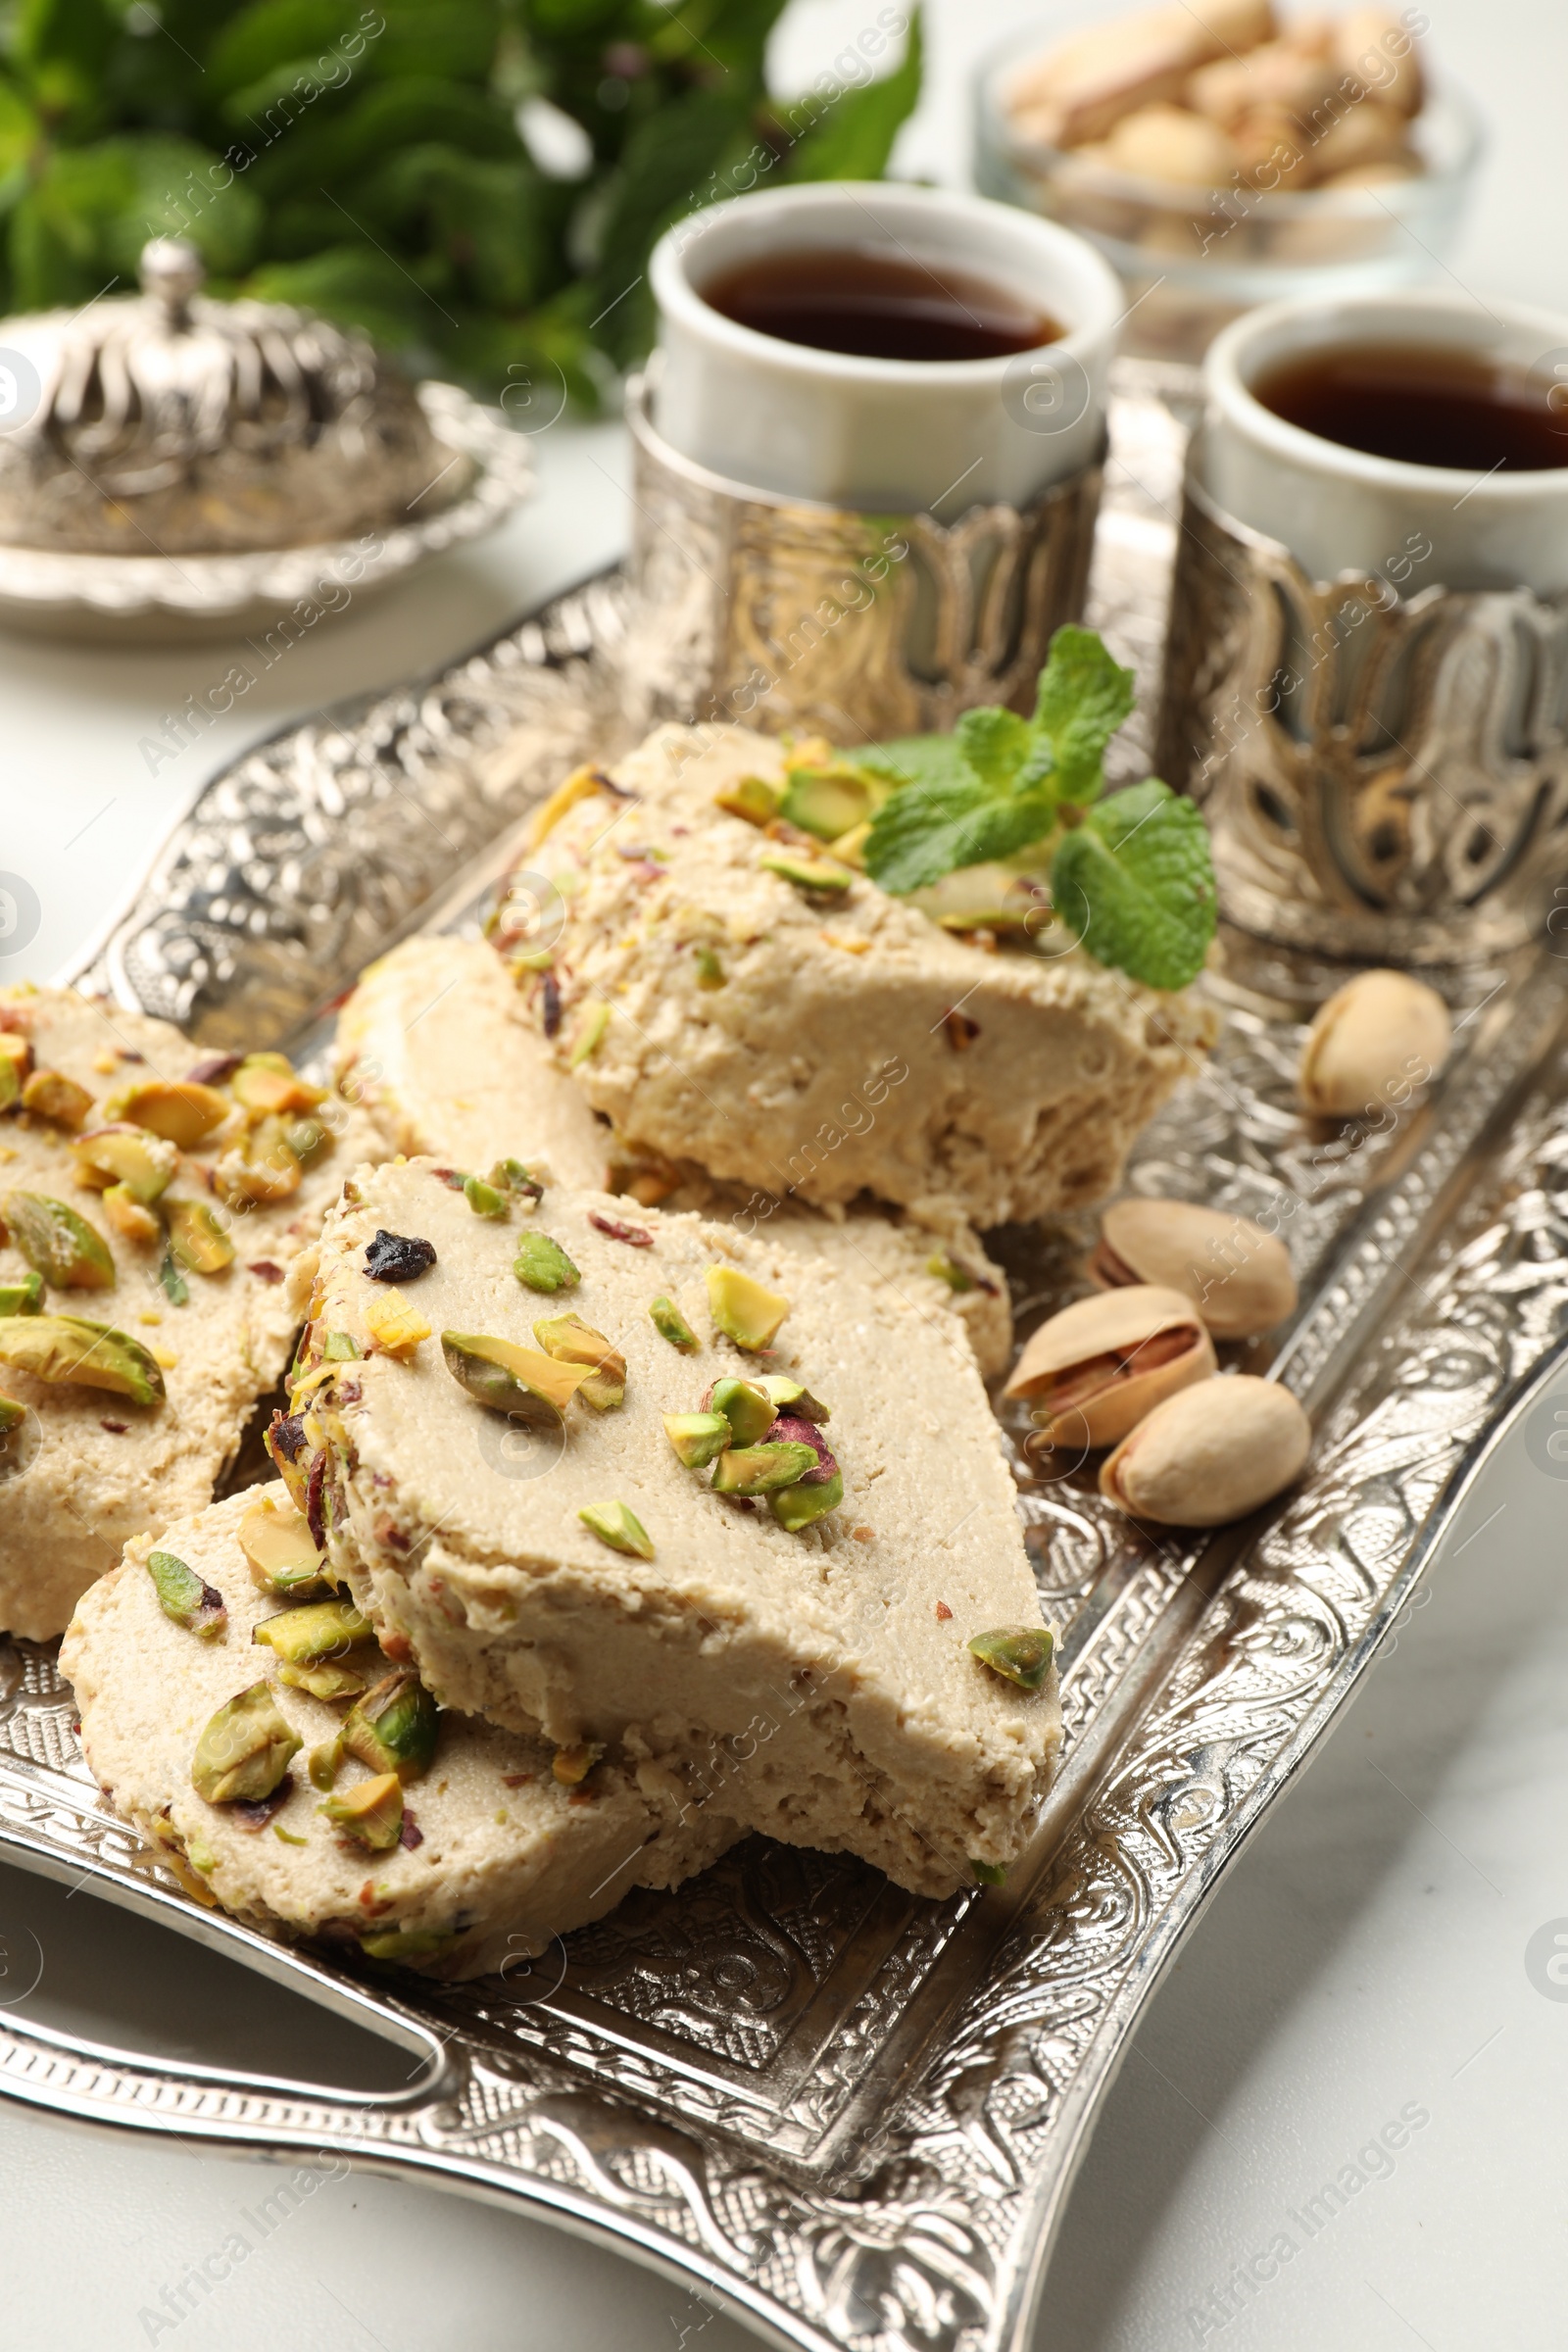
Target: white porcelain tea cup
(942, 435)
(1341, 509)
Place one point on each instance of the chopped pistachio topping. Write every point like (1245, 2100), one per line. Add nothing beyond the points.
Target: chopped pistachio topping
(395, 1327)
(570, 1766)
(621, 1529)
(571, 1340)
(789, 1397)
(512, 1379)
(129, 1217)
(51, 1094)
(90, 1355)
(590, 1033)
(671, 1325)
(58, 1243)
(762, 1469)
(698, 1438)
(184, 1596)
(287, 1835)
(281, 1554)
(24, 1297)
(742, 1310)
(948, 1270)
(988, 1874)
(710, 970)
(394, 1727)
(197, 1241)
(340, 1347)
(744, 1405)
(322, 1763)
(308, 1139)
(322, 1629)
(324, 1680)
(371, 1812)
(798, 1506)
(129, 1156)
(267, 1082)
(826, 800)
(485, 1199)
(1018, 1658)
(811, 874)
(542, 1264)
(752, 798)
(180, 1113)
(12, 1415)
(407, 1943)
(514, 1176)
(244, 1752)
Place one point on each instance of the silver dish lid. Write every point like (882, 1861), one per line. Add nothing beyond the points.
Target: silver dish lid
(165, 423)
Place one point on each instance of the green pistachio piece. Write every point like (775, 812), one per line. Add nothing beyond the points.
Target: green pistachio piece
(698, 1438)
(671, 1325)
(197, 1241)
(323, 1682)
(826, 802)
(58, 1243)
(51, 1094)
(245, 1749)
(746, 1406)
(371, 1812)
(267, 1084)
(542, 1264)
(988, 1874)
(133, 1157)
(621, 1529)
(185, 1596)
(512, 1176)
(310, 1140)
(1018, 1658)
(340, 1347)
(407, 1944)
(742, 1310)
(590, 1033)
(24, 1298)
(12, 1415)
(816, 875)
(129, 1217)
(394, 1727)
(287, 1835)
(709, 971)
(182, 1114)
(571, 1340)
(789, 1396)
(796, 1506)
(322, 1763)
(749, 797)
(10, 1082)
(948, 1270)
(512, 1379)
(485, 1199)
(322, 1629)
(762, 1469)
(87, 1355)
(570, 1766)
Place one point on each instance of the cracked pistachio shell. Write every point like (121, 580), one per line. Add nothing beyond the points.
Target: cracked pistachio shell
(1238, 1276)
(1092, 1372)
(245, 1749)
(1210, 1454)
(1377, 1041)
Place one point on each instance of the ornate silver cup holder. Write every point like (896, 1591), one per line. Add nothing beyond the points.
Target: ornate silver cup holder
(852, 2115)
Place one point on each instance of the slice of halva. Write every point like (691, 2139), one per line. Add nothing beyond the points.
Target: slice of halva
(825, 1043)
(148, 1220)
(438, 1042)
(649, 1561)
(490, 1852)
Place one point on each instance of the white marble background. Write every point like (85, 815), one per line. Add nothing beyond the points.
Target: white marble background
(1366, 1958)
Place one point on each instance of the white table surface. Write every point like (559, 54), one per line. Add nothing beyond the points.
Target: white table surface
(1366, 1956)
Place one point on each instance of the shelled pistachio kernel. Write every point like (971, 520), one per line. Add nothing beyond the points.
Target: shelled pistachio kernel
(323, 1680)
(485, 1199)
(182, 1114)
(394, 1727)
(322, 1763)
(742, 1310)
(280, 1552)
(790, 1396)
(590, 1034)
(12, 1415)
(710, 970)
(698, 1438)
(815, 875)
(14, 1056)
(269, 1083)
(395, 1327)
(746, 1407)
(24, 1297)
(341, 1348)
(988, 1874)
(51, 1094)
(569, 1340)
(322, 1629)
(1021, 1656)
(408, 1945)
(514, 1176)
(749, 797)
(134, 1156)
(570, 1766)
(187, 1598)
(371, 1812)
(798, 1506)
(671, 1325)
(618, 1527)
(512, 1379)
(761, 1469)
(68, 1350)
(541, 1264)
(57, 1242)
(197, 1241)
(245, 1749)
(129, 1217)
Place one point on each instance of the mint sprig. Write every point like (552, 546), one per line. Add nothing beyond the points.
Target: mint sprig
(1130, 875)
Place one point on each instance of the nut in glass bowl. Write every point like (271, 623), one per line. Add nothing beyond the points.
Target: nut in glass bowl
(172, 466)
(1225, 154)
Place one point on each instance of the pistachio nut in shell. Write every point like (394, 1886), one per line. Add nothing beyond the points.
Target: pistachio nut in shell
(1210, 1454)
(1377, 1041)
(1238, 1276)
(1094, 1370)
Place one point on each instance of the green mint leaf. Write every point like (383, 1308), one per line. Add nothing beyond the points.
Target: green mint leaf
(1135, 882)
(928, 830)
(915, 759)
(994, 744)
(1084, 698)
(851, 137)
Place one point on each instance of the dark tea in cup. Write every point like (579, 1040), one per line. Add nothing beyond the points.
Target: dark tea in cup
(1422, 405)
(876, 305)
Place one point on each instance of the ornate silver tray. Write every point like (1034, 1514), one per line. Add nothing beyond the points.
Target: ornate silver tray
(849, 2114)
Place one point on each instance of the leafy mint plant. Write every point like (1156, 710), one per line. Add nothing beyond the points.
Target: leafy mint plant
(1130, 875)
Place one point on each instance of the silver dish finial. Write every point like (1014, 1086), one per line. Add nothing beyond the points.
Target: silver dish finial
(172, 270)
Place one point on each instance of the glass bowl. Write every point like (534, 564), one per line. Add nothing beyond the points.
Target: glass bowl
(1192, 259)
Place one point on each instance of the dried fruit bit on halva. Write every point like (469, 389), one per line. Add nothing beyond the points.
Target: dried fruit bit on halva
(398, 1256)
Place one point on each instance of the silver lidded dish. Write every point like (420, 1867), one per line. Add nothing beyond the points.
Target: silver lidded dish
(174, 465)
